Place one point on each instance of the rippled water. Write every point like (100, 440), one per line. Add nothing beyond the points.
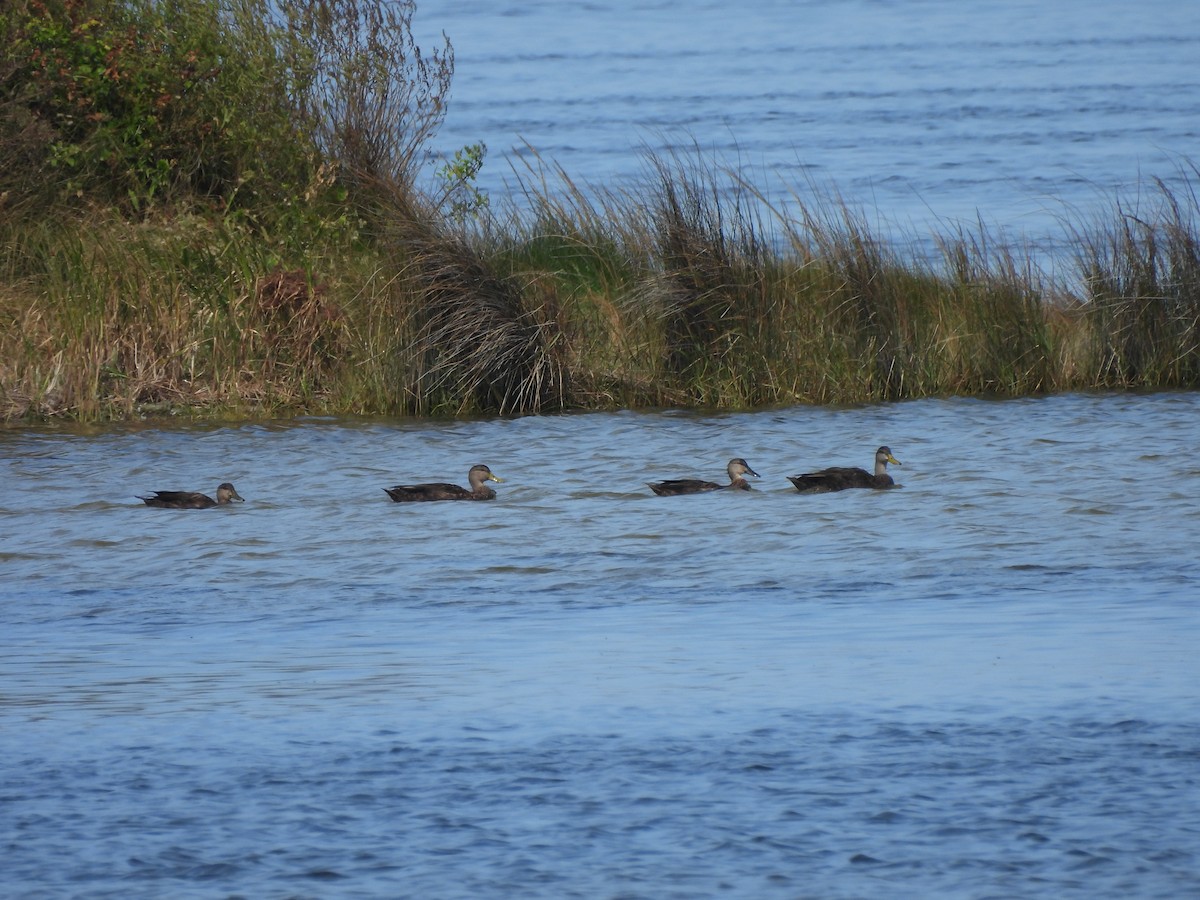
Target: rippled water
(980, 685)
(927, 113)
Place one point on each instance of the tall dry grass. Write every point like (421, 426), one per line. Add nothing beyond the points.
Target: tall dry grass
(110, 319)
(690, 290)
(1141, 277)
(684, 291)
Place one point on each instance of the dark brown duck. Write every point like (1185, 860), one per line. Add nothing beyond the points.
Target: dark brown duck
(192, 499)
(737, 468)
(478, 478)
(840, 478)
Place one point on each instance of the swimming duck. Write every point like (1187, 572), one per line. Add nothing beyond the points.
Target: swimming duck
(192, 499)
(478, 478)
(841, 478)
(737, 468)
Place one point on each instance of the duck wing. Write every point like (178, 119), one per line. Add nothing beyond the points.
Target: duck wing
(675, 486)
(179, 500)
(835, 478)
(416, 493)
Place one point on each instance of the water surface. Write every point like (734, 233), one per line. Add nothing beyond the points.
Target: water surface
(928, 115)
(981, 684)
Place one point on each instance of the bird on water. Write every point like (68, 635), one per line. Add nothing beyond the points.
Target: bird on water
(839, 478)
(478, 478)
(192, 499)
(737, 468)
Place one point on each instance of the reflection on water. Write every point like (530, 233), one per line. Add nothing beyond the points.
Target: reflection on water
(979, 684)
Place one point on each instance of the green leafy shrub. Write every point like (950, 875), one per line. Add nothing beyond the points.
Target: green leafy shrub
(140, 101)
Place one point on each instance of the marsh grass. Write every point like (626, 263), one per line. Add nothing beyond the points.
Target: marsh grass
(695, 292)
(685, 293)
(480, 339)
(128, 317)
(1141, 277)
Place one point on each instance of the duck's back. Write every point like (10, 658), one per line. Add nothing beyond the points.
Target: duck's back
(837, 478)
(416, 493)
(179, 500)
(675, 486)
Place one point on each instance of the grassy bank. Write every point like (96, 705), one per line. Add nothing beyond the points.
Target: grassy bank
(677, 297)
(343, 283)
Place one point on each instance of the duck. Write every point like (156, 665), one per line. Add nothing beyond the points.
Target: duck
(193, 499)
(477, 477)
(840, 478)
(737, 468)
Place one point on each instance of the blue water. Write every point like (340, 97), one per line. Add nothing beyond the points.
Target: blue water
(982, 684)
(927, 115)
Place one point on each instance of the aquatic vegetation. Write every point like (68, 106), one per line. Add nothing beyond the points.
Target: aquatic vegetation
(644, 302)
